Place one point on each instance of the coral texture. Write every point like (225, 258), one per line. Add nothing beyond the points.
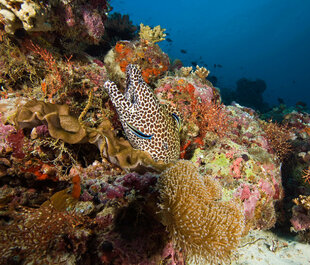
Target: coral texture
(208, 229)
(148, 125)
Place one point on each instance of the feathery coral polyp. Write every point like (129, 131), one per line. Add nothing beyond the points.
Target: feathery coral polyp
(207, 228)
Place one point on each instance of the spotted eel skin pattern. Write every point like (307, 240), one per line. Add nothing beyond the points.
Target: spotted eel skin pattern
(148, 125)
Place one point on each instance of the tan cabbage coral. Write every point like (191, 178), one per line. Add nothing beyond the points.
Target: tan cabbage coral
(120, 152)
(61, 125)
(207, 228)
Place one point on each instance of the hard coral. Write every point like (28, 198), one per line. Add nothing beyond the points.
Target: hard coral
(153, 35)
(198, 221)
(28, 15)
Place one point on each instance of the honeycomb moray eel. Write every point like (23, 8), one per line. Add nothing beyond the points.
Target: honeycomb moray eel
(148, 125)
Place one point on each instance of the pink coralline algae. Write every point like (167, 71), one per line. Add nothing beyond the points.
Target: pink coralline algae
(235, 168)
(249, 196)
(119, 188)
(93, 23)
(300, 219)
(5, 131)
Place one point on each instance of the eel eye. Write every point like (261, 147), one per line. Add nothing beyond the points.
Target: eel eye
(176, 117)
(138, 133)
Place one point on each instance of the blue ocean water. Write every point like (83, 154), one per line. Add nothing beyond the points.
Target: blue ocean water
(266, 39)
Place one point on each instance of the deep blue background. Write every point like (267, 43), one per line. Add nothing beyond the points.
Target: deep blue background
(266, 39)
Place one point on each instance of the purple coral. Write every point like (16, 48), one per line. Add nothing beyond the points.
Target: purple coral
(16, 141)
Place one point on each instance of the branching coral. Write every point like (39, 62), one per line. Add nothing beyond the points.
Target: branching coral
(208, 229)
(202, 72)
(153, 35)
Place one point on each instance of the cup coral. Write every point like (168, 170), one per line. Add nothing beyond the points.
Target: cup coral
(207, 228)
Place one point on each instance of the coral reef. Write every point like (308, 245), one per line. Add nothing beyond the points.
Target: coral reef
(90, 169)
(198, 102)
(198, 221)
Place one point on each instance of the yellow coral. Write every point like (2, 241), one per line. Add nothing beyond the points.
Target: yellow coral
(153, 35)
(303, 201)
(202, 72)
(185, 71)
(207, 228)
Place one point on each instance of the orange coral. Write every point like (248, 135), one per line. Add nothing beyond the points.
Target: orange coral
(306, 175)
(76, 190)
(209, 116)
(56, 78)
(147, 55)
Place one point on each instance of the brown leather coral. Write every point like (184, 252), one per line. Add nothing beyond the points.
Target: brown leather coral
(61, 125)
